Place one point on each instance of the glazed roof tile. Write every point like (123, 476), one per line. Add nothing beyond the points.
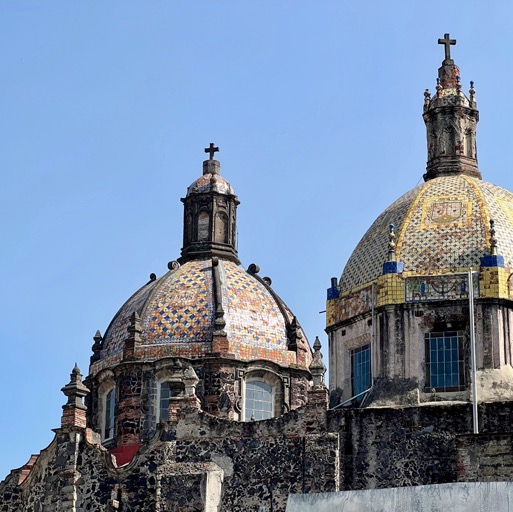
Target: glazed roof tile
(441, 225)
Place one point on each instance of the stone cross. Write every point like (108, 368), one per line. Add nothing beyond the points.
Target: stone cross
(211, 150)
(447, 42)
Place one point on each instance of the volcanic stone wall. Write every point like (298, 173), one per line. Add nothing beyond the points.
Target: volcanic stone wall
(202, 462)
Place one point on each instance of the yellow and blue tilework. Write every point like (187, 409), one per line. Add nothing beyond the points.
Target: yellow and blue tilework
(443, 226)
(366, 262)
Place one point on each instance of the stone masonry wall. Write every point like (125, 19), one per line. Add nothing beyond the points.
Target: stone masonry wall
(202, 462)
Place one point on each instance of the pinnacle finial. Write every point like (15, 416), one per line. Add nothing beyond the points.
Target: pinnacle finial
(472, 93)
(317, 367)
(493, 240)
(391, 242)
(427, 97)
(97, 347)
(75, 390)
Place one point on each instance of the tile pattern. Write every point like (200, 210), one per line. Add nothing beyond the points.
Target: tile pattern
(427, 246)
(117, 332)
(442, 226)
(208, 182)
(442, 287)
(366, 262)
(177, 317)
(254, 324)
(494, 282)
(500, 207)
(182, 307)
(390, 289)
(349, 305)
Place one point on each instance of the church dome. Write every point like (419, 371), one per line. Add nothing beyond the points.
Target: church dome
(207, 306)
(422, 305)
(208, 335)
(441, 226)
(178, 317)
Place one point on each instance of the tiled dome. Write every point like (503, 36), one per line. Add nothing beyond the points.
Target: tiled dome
(177, 316)
(210, 182)
(442, 226)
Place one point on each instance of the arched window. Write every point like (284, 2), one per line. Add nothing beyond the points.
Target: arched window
(468, 143)
(188, 228)
(259, 401)
(221, 228)
(167, 391)
(203, 226)
(108, 414)
(262, 393)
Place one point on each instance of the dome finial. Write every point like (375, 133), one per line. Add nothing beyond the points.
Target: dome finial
(447, 42)
(211, 150)
(211, 166)
(448, 73)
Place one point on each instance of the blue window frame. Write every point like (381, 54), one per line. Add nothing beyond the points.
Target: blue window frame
(445, 363)
(258, 403)
(360, 369)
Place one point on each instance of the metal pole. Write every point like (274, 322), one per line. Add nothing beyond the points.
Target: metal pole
(475, 418)
(373, 332)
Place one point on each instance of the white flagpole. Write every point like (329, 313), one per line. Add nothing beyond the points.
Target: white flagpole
(473, 349)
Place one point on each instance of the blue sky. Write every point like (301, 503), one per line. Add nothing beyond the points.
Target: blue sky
(106, 109)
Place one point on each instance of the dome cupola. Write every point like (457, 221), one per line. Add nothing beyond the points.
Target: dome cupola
(451, 119)
(210, 207)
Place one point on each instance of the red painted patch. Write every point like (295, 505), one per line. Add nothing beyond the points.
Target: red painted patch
(124, 454)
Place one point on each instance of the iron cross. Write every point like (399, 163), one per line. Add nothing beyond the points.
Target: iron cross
(447, 41)
(211, 150)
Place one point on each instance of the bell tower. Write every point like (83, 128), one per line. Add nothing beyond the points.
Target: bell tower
(210, 207)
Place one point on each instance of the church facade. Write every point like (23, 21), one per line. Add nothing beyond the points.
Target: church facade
(205, 394)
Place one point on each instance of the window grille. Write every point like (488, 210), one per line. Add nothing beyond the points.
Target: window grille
(360, 369)
(258, 401)
(445, 364)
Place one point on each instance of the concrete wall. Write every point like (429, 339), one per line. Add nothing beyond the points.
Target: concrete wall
(456, 497)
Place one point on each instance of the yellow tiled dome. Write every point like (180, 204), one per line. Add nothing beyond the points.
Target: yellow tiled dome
(442, 226)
